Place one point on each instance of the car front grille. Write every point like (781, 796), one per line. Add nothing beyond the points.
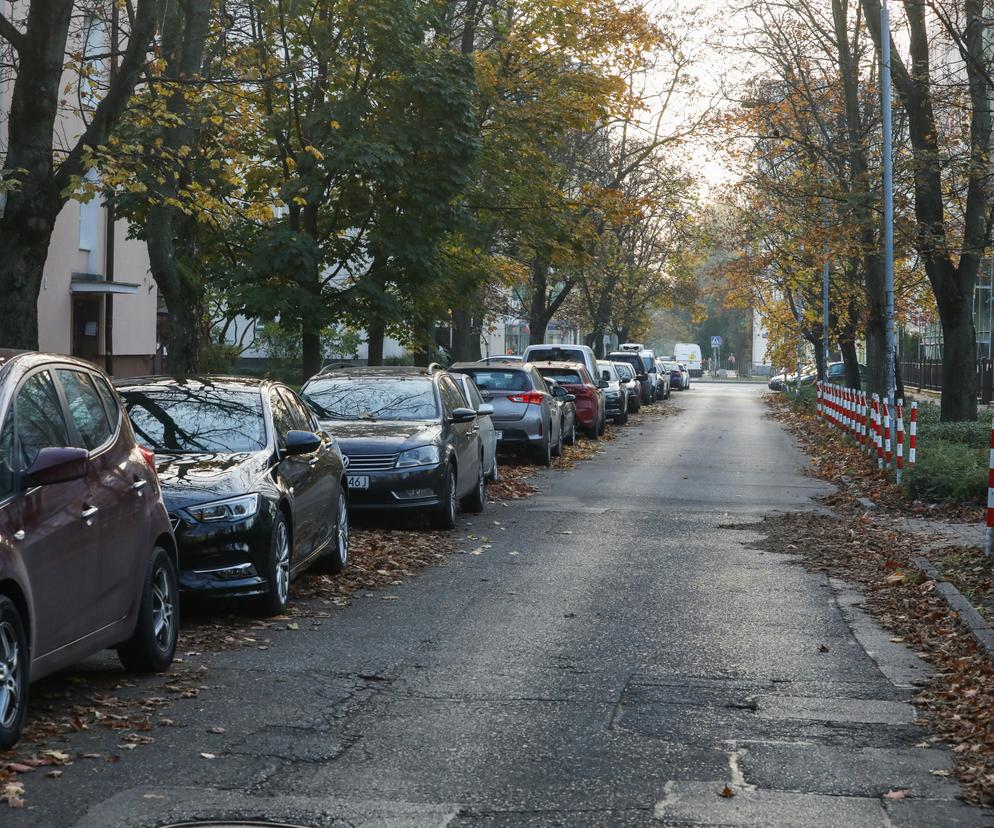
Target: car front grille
(369, 462)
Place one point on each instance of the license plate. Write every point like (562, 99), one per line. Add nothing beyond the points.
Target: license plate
(500, 435)
(358, 482)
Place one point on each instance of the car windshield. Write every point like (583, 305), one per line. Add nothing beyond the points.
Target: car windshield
(373, 398)
(493, 379)
(564, 376)
(647, 362)
(192, 420)
(625, 370)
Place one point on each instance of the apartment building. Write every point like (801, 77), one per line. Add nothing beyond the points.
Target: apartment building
(97, 295)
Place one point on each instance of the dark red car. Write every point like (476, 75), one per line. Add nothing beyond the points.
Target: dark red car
(87, 556)
(590, 409)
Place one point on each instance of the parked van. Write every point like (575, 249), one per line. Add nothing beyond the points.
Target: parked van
(689, 353)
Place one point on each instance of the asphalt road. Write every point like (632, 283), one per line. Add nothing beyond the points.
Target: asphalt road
(612, 656)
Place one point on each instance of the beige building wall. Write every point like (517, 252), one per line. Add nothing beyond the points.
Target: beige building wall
(79, 250)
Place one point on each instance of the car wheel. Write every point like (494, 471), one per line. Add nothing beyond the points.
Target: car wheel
(153, 643)
(602, 427)
(444, 517)
(494, 475)
(557, 450)
(14, 664)
(338, 557)
(638, 404)
(543, 453)
(278, 568)
(571, 439)
(477, 499)
(668, 392)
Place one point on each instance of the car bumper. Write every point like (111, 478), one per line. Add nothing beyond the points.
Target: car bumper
(415, 488)
(615, 406)
(224, 559)
(525, 431)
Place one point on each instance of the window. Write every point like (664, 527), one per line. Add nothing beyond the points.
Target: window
(190, 420)
(85, 408)
(564, 376)
(374, 398)
(494, 380)
(282, 418)
(475, 399)
(452, 397)
(40, 422)
(111, 404)
(302, 416)
(7, 457)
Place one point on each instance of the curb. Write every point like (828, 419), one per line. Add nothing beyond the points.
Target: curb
(957, 601)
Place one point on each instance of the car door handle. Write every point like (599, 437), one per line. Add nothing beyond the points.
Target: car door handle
(313, 461)
(86, 514)
(19, 535)
(138, 485)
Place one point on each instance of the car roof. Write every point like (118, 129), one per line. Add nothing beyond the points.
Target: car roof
(229, 383)
(559, 364)
(483, 366)
(377, 371)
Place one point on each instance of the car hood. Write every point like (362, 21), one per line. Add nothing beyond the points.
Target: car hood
(361, 436)
(197, 478)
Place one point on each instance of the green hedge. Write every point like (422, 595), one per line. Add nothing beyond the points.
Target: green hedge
(949, 471)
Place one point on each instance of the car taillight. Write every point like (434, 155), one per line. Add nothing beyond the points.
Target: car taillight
(531, 398)
(149, 456)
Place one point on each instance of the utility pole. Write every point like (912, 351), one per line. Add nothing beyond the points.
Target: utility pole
(888, 163)
(824, 289)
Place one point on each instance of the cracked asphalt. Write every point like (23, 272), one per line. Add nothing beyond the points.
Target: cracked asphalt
(616, 656)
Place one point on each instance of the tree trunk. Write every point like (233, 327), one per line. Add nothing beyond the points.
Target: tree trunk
(462, 335)
(849, 356)
(959, 364)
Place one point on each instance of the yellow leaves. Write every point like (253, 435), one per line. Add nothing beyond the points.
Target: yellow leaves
(314, 152)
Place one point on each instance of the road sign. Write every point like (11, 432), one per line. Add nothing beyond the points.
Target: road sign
(715, 341)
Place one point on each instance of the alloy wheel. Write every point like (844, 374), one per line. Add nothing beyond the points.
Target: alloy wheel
(10, 675)
(163, 609)
(282, 573)
(343, 528)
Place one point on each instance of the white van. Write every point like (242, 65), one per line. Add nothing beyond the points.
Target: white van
(689, 353)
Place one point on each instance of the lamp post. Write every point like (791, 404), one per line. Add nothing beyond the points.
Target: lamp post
(888, 164)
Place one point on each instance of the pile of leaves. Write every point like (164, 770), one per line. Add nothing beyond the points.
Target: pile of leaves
(971, 572)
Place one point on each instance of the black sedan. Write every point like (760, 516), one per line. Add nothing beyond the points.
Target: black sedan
(255, 492)
(409, 438)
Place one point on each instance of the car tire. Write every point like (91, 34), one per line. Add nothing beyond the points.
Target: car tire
(444, 516)
(475, 502)
(557, 450)
(668, 392)
(638, 404)
(543, 453)
(153, 643)
(14, 664)
(278, 563)
(571, 439)
(602, 427)
(337, 558)
(494, 474)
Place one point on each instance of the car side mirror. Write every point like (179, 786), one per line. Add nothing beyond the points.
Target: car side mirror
(570, 398)
(603, 384)
(462, 415)
(559, 392)
(57, 465)
(485, 409)
(301, 442)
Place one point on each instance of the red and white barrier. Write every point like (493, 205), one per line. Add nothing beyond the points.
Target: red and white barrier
(899, 440)
(913, 434)
(989, 535)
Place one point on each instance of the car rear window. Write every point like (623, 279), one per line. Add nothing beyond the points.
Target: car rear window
(496, 380)
(556, 355)
(197, 420)
(563, 376)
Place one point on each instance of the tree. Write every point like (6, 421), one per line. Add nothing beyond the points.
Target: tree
(40, 174)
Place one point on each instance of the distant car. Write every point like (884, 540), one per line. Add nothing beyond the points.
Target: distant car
(525, 414)
(409, 439)
(87, 556)
(583, 354)
(688, 354)
(616, 394)
(633, 358)
(488, 434)
(837, 373)
(632, 386)
(664, 380)
(589, 393)
(505, 358)
(567, 410)
(682, 376)
(658, 387)
(255, 489)
(776, 382)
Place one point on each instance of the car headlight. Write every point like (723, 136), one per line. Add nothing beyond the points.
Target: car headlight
(232, 508)
(420, 456)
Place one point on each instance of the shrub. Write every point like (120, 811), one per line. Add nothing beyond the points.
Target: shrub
(949, 472)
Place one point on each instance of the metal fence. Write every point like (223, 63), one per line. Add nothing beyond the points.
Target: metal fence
(926, 374)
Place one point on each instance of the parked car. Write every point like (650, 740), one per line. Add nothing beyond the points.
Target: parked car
(525, 413)
(589, 393)
(484, 412)
(659, 389)
(679, 376)
(87, 557)
(688, 354)
(409, 439)
(567, 410)
(563, 353)
(634, 359)
(632, 386)
(776, 382)
(255, 490)
(837, 373)
(664, 382)
(615, 395)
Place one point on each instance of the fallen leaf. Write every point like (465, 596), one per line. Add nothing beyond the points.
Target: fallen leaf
(727, 792)
(208, 755)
